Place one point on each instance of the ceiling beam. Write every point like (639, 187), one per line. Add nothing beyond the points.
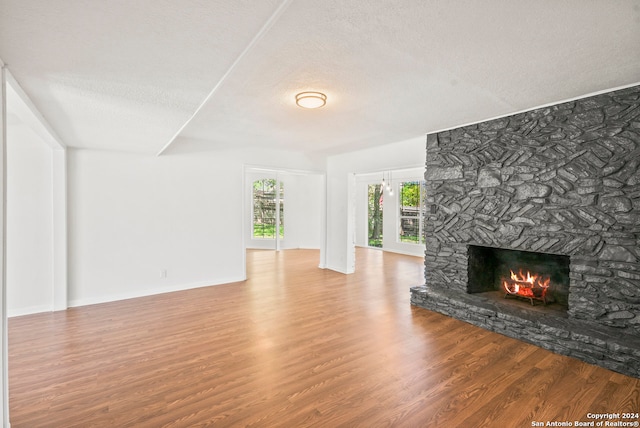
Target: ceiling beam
(267, 25)
(19, 103)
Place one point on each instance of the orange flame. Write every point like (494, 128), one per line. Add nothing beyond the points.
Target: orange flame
(534, 280)
(523, 284)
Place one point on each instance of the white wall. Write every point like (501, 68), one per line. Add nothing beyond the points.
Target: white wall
(340, 252)
(341, 194)
(131, 217)
(390, 210)
(28, 125)
(303, 205)
(305, 210)
(4, 369)
(362, 206)
(29, 221)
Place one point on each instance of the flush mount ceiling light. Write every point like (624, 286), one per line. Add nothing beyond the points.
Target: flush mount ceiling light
(311, 99)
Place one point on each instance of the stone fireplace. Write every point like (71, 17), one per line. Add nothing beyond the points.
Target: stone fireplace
(553, 192)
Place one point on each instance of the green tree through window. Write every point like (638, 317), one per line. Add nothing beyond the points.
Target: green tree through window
(265, 204)
(374, 213)
(412, 200)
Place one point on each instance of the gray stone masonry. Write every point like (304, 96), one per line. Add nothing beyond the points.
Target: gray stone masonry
(563, 180)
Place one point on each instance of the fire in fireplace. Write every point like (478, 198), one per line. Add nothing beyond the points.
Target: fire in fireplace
(530, 286)
(532, 276)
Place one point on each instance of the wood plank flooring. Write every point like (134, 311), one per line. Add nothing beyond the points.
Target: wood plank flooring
(293, 346)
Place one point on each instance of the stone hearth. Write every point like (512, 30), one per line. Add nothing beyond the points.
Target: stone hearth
(562, 180)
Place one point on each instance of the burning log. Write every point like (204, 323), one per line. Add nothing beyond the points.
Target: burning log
(529, 286)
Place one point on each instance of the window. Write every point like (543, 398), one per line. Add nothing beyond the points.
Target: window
(268, 208)
(412, 201)
(374, 214)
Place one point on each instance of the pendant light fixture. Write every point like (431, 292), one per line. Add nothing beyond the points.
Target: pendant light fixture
(386, 184)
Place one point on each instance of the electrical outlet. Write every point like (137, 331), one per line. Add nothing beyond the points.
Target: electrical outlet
(163, 273)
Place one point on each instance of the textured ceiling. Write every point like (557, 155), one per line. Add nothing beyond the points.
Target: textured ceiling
(133, 75)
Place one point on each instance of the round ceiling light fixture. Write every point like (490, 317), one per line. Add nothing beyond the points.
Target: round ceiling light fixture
(311, 99)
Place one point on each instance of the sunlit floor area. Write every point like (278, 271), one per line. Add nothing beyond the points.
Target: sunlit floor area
(293, 346)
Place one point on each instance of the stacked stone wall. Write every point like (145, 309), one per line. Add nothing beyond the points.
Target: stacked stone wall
(563, 179)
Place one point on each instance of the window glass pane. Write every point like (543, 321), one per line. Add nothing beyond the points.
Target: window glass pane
(264, 209)
(374, 213)
(410, 198)
(412, 204)
(410, 230)
(281, 210)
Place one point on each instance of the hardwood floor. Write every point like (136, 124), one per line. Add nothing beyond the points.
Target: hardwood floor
(293, 346)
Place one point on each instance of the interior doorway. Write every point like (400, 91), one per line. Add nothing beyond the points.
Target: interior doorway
(285, 209)
(267, 211)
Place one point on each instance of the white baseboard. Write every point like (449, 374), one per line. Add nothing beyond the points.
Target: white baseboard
(18, 312)
(406, 253)
(340, 270)
(393, 250)
(149, 292)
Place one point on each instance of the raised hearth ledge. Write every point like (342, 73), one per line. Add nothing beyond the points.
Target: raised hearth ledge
(593, 343)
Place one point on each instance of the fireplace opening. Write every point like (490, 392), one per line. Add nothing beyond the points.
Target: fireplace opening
(529, 277)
